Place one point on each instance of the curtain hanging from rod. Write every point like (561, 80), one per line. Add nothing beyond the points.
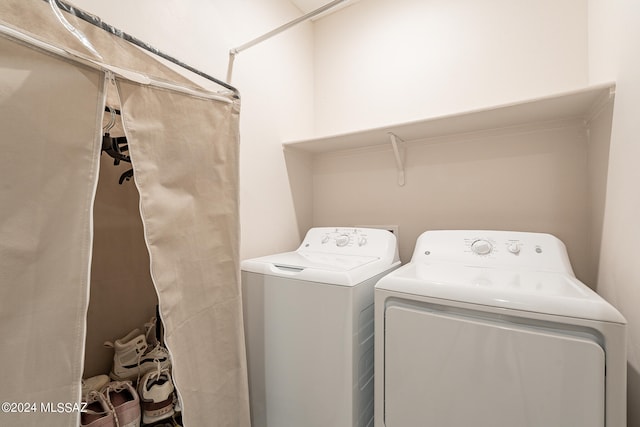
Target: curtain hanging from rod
(188, 187)
(49, 111)
(183, 142)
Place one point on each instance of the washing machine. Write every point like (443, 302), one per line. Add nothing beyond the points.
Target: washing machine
(492, 329)
(309, 328)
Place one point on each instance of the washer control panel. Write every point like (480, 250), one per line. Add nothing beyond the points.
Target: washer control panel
(342, 237)
(537, 251)
(346, 240)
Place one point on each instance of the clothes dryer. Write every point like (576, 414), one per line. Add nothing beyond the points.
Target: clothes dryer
(309, 326)
(489, 328)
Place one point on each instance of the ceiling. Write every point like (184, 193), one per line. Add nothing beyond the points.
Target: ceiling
(307, 6)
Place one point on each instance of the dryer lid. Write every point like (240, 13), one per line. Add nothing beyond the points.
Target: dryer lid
(535, 291)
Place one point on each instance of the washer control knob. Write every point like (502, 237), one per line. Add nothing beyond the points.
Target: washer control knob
(342, 240)
(325, 239)
(481, 247)
(514, 248)
(362, 241)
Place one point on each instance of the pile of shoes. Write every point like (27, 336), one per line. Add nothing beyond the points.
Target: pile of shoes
(139, 389)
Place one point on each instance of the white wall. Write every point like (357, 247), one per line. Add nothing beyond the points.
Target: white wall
(604, 40)
(532, 179)
(381, 62)
(276, 84)
(619, 277)
(598, 143)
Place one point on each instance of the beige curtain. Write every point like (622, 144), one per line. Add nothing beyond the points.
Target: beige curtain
(184, 151)
(183, 141)
(49, 112)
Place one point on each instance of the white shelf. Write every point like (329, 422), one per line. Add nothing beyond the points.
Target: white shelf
(579, 104)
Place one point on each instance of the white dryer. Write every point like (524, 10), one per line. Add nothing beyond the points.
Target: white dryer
(492, 329)
(309, 326)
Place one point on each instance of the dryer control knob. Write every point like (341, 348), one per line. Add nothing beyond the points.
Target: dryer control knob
(362, 241)
(481, 247)
(342, 240)
(514, 248)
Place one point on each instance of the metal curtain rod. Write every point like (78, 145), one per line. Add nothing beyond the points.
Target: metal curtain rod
(96, 21)
(233, 52)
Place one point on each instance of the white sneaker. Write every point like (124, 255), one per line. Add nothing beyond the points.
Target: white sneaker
(156, 396)
(150, 332)
(124, 400)
(93, 384)
(98, 412)
(133, 357)
(178, 403)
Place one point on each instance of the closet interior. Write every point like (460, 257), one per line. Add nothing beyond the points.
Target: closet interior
(122, 295)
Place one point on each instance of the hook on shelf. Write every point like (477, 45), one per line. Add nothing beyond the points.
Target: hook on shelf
(398, 153)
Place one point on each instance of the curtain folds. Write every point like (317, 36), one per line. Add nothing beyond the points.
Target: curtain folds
(184, 151)
(49, 112)
(183, 142)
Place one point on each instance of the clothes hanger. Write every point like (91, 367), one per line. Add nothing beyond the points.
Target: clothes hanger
(126, 176)
(115, 147)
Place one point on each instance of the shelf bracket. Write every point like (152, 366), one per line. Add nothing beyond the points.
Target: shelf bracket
(398, 153)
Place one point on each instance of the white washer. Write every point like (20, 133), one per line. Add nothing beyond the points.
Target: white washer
(489, 328)
(309, 328)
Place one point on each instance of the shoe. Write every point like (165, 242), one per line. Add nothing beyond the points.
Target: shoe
(93, 384)
(177, 420)
(133, 356)
(177, 407)
(97, 413)
(151, 330)
(124, 400)
(156, 394)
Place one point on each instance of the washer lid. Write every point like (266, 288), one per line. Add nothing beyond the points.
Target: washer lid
(541, 292)
(319, 260)
(336, 269)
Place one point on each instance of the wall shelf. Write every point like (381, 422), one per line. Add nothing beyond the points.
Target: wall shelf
(579, 104)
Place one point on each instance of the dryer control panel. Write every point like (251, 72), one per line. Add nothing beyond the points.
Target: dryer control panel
(487, 248)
